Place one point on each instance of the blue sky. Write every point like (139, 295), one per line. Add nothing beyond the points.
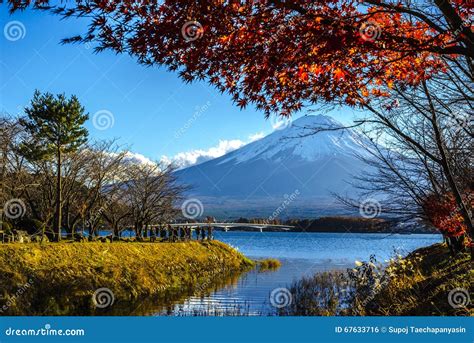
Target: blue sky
(154, 113)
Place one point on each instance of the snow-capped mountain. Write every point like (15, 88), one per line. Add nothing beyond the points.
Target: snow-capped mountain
(290, 172)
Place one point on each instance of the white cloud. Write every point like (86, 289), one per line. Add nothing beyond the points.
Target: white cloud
(256, 136)
(136, 158)
(189, 158)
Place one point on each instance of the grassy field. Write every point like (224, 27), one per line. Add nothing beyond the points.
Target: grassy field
(60, 276)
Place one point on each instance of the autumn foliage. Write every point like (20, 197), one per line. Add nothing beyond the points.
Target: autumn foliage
(280, 55)
(445, 215)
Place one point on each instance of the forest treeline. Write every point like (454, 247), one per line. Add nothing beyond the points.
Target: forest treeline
(56, 181)
(345, 224)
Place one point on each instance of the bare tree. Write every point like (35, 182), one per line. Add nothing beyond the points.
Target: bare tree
(151, 190)
(118, 215)
(99, 186)
(426, 135)
(89, 179)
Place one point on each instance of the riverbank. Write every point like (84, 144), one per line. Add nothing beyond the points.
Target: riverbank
(427, 282)
(59, 277)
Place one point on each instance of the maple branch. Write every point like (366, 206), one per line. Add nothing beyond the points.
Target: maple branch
(407, 11)
(289, 5)
(457, 23)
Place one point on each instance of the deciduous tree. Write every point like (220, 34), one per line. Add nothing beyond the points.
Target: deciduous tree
(283, 55)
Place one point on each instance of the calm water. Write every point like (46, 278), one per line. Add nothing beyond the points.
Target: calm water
(301, 254)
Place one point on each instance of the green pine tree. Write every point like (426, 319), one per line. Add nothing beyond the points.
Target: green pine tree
(55, 124)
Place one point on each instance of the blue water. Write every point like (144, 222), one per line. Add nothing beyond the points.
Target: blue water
(332, 248)
(301, 254)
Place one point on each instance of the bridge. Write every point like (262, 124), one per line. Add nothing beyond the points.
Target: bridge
(227, 226)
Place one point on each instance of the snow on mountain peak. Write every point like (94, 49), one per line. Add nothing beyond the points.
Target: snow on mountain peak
(260, 175)
(319, 119)
(307, 138)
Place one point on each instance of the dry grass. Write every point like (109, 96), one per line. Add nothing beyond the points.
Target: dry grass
(322, 294)
(420, 284)
(417, 285)
(268, 264)
(73, 271)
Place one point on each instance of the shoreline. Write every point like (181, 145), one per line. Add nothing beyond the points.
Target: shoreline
(342, 232)
(66, 278)
(428, 281)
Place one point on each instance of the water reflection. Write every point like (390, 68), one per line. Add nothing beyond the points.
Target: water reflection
(245, 293)
(251, 294)
(163, 303)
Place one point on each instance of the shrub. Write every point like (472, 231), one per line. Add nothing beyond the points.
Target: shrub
(418, 284)
(268, 264)
(323, 294)
(7, 227)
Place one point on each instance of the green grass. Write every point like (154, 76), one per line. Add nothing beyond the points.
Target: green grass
(268, 264)
(73, 271)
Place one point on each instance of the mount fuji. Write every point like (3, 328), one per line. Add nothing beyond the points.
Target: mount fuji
(292, 172)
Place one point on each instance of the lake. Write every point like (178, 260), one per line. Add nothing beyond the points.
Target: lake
(301, 254)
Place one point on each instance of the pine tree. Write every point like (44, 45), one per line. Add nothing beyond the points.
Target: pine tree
(55, 124)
